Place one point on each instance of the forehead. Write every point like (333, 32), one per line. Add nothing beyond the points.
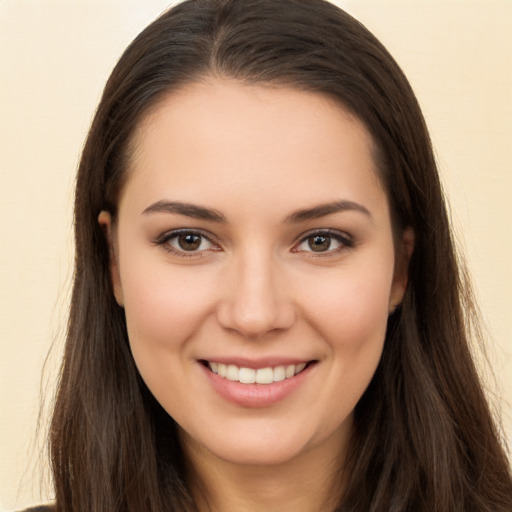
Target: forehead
(220, 138)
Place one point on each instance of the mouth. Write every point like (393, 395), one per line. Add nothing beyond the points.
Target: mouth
(266, 375)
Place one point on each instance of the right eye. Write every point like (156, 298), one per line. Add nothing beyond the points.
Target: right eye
(186, 242)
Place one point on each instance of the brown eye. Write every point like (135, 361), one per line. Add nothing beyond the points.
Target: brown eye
(319, 243)
(186, 242)
(328, 242)
(189, 241)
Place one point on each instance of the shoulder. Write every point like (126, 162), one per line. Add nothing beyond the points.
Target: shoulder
(42, 508)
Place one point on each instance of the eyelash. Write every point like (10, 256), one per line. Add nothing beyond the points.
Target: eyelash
(345, 241)
(165, 239)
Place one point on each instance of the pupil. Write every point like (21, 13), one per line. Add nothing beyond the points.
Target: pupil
(319, 243)
(189, 242)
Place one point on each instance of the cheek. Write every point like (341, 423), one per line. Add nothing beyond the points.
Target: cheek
(351, 314)
(351, 318)
(162, 302)
(352, 307)
(164, 308)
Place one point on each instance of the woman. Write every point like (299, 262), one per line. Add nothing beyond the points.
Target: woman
(267, 312)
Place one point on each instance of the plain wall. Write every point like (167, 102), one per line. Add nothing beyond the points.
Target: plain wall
(55, 57)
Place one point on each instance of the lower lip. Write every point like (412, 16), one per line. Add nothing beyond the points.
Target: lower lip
(256, 395)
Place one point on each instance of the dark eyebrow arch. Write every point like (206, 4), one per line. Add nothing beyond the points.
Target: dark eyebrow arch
(187, 209)
(322, 210)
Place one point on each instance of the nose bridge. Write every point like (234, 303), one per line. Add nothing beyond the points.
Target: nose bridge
(256, 301)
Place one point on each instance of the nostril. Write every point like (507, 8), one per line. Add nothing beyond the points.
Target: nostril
(256, 312)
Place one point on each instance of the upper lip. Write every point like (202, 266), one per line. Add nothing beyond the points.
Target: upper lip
(264, 362)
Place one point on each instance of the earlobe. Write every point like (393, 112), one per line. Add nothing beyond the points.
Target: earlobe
(401, 276)
(105, 221)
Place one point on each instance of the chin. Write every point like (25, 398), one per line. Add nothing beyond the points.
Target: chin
(258, 453)
(264, 444)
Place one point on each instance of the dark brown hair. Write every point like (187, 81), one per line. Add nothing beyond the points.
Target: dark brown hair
(424, 438)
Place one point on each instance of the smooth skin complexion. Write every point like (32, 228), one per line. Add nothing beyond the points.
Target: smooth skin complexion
(253, 242)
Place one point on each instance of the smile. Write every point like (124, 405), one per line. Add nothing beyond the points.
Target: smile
(266, 375)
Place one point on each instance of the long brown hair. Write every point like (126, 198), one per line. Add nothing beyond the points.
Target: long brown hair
(424, 439)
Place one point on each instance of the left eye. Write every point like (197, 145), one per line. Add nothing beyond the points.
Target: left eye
(323, 242)
(187, 241)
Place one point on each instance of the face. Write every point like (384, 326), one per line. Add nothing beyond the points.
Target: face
(254, 257)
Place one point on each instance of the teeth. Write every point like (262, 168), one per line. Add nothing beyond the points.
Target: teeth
(279, 373)
(299, 368)
(260, 376)
(232, 372)
(265, 376)
(247, 375)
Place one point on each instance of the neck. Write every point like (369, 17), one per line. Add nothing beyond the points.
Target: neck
(310, 482)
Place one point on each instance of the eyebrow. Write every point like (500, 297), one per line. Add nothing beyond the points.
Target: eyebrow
(322, 210)
(187, 209)
(303, 215)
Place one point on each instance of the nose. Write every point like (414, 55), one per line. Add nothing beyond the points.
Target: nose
(256, 300)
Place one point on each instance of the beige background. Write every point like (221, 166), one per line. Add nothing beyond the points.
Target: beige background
(54, 59)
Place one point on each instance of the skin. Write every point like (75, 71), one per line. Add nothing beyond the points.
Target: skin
(256, 288)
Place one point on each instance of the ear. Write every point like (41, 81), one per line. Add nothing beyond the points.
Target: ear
(401, 276)
(105, 221)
